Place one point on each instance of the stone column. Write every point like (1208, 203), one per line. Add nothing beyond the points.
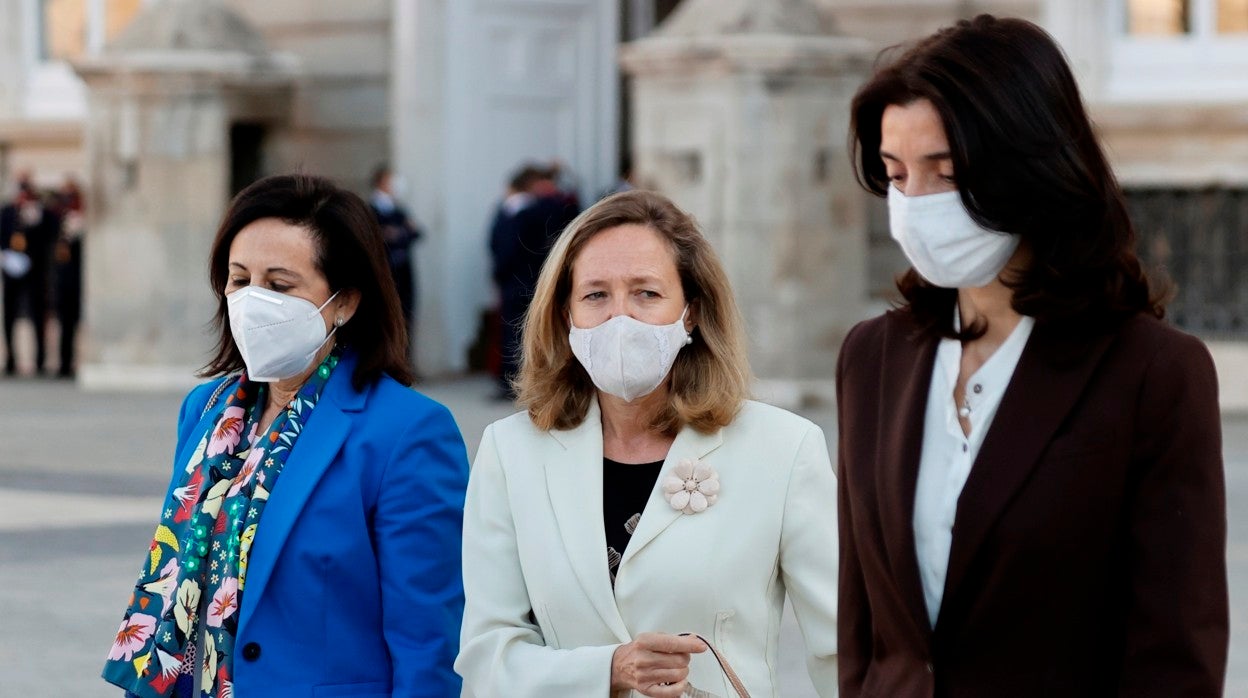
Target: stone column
(13, 47)
(160, 104)
(741, 115)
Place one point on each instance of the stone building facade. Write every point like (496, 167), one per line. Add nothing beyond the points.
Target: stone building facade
(456, 94)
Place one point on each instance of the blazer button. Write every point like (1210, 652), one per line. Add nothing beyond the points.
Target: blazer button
(251, 651)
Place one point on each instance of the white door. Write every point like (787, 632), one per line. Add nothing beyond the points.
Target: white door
(521, 80)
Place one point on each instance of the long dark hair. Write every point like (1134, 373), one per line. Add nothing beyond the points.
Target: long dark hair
(1026, 160)
(351, 255)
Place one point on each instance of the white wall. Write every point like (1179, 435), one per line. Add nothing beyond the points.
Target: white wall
(481, 86)
(340, 122)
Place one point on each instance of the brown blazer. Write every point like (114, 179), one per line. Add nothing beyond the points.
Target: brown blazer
(1089, 544)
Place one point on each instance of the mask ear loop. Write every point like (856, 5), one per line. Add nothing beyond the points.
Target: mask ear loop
(338, 322)
(688, 332)
(329, 300)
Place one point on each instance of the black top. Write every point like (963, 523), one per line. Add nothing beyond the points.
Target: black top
(625, 489)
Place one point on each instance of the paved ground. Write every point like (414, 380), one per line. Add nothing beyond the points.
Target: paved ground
(80, 479)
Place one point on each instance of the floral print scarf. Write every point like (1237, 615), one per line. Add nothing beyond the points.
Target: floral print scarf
(196, 567)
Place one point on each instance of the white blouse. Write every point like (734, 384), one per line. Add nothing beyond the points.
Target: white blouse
(948, 454)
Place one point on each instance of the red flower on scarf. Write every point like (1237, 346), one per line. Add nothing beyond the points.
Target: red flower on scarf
(187, 496)
(228, 432)
(224, 602)
(249, 471)
(132, 635)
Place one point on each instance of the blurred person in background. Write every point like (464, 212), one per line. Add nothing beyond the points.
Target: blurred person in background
(626, 182)
(29, 230)
(309, 543)
(400, 233)
(565, 183)
(1032, 496)
(641, 494)
(69, 206)
(525, 226)
(501, 243)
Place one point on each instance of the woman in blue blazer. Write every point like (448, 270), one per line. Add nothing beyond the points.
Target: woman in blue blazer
(309, 544)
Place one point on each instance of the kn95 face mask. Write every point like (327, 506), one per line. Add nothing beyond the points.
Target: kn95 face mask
(278, 335)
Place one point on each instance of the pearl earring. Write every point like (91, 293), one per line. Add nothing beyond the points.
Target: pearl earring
(338, 321)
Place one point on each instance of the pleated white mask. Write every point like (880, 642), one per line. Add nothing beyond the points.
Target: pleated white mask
(626, 357)
(943, 243)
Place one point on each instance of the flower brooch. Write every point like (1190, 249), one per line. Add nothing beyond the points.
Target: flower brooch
(692, 487)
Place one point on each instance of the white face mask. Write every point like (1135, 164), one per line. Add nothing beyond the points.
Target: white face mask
(398, 186)
(945, 245)
(31, 213)
(629, 358)
(278, 335)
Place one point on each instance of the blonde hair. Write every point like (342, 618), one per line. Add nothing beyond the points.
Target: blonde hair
(711, 376)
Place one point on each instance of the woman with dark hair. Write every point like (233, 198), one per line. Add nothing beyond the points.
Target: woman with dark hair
(1031, 487)
(309, 542)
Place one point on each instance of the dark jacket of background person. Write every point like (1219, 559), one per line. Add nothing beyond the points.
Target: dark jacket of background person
(34, 287)
(1088, 547)
(8, 225)
(400, 233)
(519, 244)
(69, 275)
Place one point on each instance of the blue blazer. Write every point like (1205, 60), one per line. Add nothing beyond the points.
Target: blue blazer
(353, 584)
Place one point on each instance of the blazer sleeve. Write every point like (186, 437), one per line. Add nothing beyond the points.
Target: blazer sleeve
(1177, 615)
(854, 621)
(808, 556)
(502, 651)
(192, 412)
(192, 407)
(417, 528)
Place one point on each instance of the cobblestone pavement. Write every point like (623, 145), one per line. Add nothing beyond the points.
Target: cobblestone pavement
(81, 475)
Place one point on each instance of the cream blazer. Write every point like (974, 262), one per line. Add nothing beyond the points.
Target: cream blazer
(542, 619)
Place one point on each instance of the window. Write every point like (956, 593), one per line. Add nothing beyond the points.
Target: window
(57, 32)
(1178, 50)
(117, 16)
(1197, 240)
(70, 29)
(1233, 17)
(1186, 17)
(64, 29)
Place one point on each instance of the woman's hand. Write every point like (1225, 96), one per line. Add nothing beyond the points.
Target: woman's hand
(654, 664)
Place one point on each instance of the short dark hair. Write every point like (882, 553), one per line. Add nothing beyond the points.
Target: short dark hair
(351, 255)
(380, 172)
(529, 174)
(1026, 160)
(626, 166)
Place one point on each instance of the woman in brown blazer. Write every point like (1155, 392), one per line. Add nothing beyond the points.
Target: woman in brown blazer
(1032, 497)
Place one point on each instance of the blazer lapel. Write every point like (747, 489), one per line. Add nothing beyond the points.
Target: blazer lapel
(903, 408)
(658, 514)
(1050, 377)
(574, 481)
(314, 451)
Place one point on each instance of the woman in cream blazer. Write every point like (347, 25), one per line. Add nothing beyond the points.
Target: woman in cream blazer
(742, 511)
